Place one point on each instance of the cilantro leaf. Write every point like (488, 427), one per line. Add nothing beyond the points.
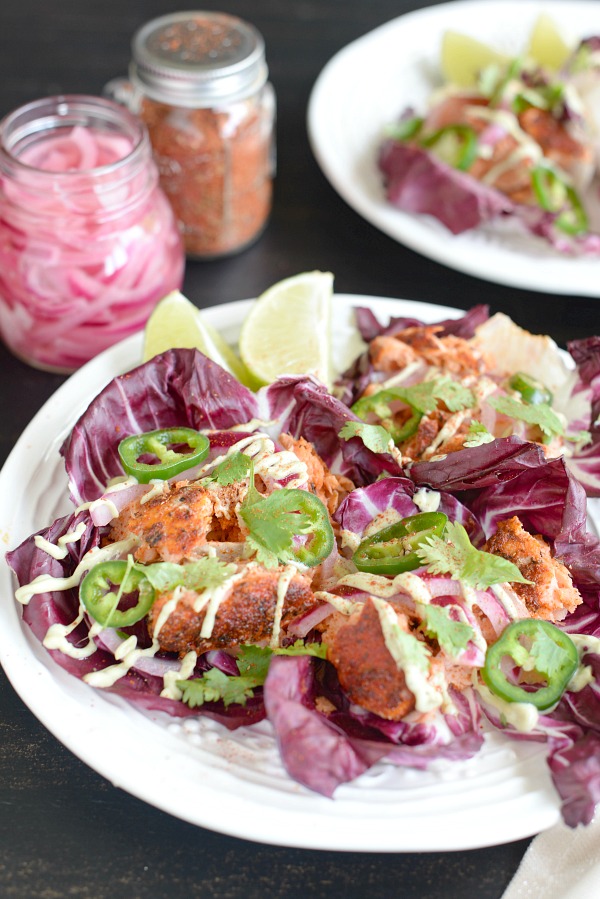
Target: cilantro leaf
(453, 636)
(164, 576)
(206, 573)
(454, 554)
(478, 434)
(234, 467)
(424, 397)
(453, 394)
(253, 665)
(264, 556)
(254, 661)
(375, 437)
(549, 656)
(215, 685)
(540, 414)
(420, 397)
(318, 650)
(276, 519)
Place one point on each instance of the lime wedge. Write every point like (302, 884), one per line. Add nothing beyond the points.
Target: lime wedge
(288, 331)
(463, 58)
(547, 45)
(176, 322)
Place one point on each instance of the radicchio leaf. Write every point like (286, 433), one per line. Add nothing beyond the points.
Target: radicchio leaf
(177, 388)
(315, 753)
(585, 463)
(417, 181)
(303, 407)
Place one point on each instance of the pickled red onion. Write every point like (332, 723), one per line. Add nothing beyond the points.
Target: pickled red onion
(88, 246)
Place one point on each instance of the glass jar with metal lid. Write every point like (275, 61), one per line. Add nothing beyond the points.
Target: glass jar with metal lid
(88, 241)
(198, 80)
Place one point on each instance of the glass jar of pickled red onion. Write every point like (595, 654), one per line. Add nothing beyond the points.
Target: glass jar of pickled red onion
(88, 241)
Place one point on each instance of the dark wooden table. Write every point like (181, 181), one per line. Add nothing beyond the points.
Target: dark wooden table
(64, 830)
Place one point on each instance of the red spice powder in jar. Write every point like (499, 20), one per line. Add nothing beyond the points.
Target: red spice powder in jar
(203, 94)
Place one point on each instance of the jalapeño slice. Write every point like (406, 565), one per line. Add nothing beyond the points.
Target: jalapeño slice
(98, 595)
(532, 661)
(160, 447)
(532, 391)
(393, 549)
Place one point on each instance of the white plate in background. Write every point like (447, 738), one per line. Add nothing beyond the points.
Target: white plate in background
(368, 84)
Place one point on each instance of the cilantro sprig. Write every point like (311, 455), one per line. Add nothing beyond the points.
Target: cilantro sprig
(375, 437)
(253, 666)
(276, 519)
(454, 554)
(453, 636)
(540, 414)
(422, 399)
(207, 573)
(234, 467)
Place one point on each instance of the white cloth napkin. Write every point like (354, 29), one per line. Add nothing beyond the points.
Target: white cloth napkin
(561, 863)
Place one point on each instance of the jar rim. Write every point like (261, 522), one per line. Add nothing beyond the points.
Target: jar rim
(67, 110)
(198, 58)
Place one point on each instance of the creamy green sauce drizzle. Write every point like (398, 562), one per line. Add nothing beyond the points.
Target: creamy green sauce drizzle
(415, 666)
(261, 449)
(584, 674)
(350, 540)
(381, 520)
(427, 500)
(340, 603)
(212, 599)
(184, 672)
(252, 425)
(114, 486)
(167, 610)
(59, 549)
(56, 638)
(46, 583)
(523, 716)
(157, 488)
(128, 653)
(381, 586)
(283, 582)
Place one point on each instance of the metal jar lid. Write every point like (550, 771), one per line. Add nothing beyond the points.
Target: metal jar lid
(198, 58)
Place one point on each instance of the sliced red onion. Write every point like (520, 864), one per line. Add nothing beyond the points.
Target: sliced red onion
(491, 135)
(101, 511)
(493, 610)
(442, 586)
(158, 666)
(302, 625)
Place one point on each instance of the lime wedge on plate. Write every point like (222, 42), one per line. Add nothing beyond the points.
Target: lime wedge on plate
(176, 322)
(463, 58)
(547, 45)
(288, 329)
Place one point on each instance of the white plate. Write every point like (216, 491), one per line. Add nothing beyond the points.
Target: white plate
(234, 782)
(370, 82)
